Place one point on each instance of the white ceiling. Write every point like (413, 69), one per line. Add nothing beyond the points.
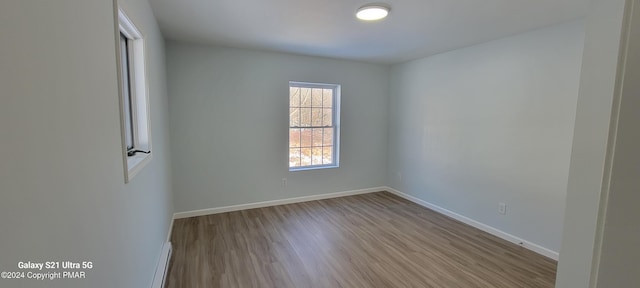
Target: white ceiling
(414, 28)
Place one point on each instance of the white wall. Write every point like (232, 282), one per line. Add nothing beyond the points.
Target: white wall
(584, 220)
(62, 191)
(490, 123)
(229, 117)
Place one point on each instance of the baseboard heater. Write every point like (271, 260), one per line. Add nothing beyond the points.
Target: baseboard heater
(163, 266)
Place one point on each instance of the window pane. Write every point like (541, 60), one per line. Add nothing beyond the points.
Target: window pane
(305, 97)
(294, 157)
(328, 137)
(317, 137)
(327, 97)
(305, 157)
(305, 135)
(294, 137)
(294, 117)
(327, 155)
(316, 158)
(305, 117)
(126, 92)
(294, 96)
(316, 116)
(327, 117)
(316, 97)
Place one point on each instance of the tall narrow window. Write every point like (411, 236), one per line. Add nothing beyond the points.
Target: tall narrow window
(314, 125)
(136, 132)
(126, 92)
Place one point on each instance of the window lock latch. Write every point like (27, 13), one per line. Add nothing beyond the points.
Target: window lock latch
(134, 152)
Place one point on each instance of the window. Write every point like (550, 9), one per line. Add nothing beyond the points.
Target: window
(126, 92)
(314, 125)
(134, 102)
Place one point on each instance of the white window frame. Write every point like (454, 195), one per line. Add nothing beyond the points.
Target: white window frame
(138, 98)
(336, 124)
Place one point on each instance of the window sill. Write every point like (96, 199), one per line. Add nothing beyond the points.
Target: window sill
(307, 168)
(135, 164)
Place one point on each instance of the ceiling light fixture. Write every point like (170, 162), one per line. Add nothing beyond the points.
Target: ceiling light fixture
(372, 12)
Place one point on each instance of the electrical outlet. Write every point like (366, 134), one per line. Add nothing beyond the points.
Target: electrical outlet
(399, 175)
(502, 208)
(284, 182)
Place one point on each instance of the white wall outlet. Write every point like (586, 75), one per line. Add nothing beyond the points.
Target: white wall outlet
(284, 182)
(502, 208)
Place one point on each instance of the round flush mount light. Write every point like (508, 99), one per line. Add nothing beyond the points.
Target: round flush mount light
(372, 12)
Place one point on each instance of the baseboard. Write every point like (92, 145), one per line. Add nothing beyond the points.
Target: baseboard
(224, 209)
(163, 266)
(170, 229)
(486, 228)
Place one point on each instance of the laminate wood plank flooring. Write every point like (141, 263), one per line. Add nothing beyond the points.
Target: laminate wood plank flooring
(369, 240)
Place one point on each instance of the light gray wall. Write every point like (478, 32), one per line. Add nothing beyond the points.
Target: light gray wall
(229, 117)
(597, 87)
(62, 191)
(490, 123)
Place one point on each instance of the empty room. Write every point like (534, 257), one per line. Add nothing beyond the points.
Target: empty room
(210, 143)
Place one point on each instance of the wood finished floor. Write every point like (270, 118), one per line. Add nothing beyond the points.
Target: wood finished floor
(370, 240)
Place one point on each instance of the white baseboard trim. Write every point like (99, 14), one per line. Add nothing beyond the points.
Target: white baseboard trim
(486, 228)
(170, 229)
(163, 266)
(224, 209)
